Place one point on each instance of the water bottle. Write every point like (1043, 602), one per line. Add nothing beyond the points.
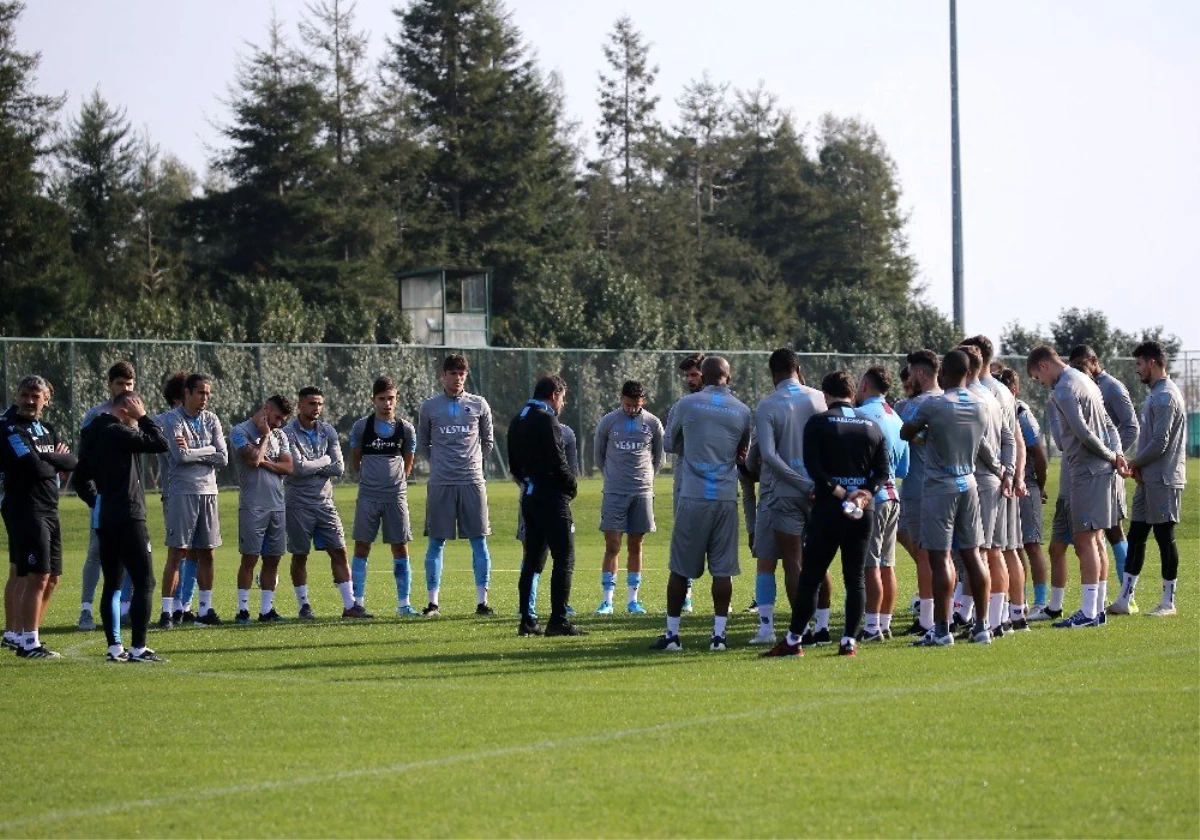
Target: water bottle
(851, 510)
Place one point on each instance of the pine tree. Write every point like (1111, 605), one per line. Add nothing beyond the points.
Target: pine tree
(628, 133)
(36, 270)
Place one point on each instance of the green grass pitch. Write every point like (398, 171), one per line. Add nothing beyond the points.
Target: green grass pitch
(456, 727)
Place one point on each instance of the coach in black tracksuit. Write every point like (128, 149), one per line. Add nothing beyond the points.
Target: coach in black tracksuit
(537, 460)
(847, 458)
(109, 480)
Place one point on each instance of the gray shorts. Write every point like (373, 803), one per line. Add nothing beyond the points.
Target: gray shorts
(192, 522)
(627, 514)
(789, 514)
(314, 526)
(392, 513)
(165, 520)
(765, 546)
(456, 510)
(1012, 531)
(951, 521)
(1060, 531)
(910, 518)
(885, 522)
(1155, 504)
(705, 530)
(1031, 516)
(261, 532)
(1094, 504)
(989, 514)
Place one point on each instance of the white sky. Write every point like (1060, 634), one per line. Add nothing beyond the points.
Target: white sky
(1080, 118)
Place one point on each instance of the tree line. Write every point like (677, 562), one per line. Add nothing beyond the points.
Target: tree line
(730, 227)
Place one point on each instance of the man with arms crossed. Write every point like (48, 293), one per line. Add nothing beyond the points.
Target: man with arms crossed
(1119, 407)
(109, 480)
(923, 367)
(1160, 469)
(121, 380)
(628, 454)
(33, 461)
(312, 520)
(172, 585)
(779, 428)
(880, 572)
(709, 430)
(454, 431)
(264, 459)
(954, 424)
(197, 450)
(382, 448)
(1095, 471)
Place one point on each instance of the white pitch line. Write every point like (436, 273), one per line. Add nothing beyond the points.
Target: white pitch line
(502, 752)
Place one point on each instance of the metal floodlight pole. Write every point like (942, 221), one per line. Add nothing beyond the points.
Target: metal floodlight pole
(956, 175)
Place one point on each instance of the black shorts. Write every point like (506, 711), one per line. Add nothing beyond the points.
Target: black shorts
(35, 545)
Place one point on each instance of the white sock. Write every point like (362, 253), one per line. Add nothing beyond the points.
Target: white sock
(1016, 612)
(967, 607)
(480, 594)
(872, 622)
(1129, 588)
(607, 592)
(846, 640)
(673, 625)
(1057, 594)
(822, 621)
(168, 605)
(1089, 599)
(689, 591)
(1102, 595)
(633, 593)
(995, 610)
(792, 638)
(266, 601)
(1169, 592)
(719, 622)
(766, 616)
(115, 650)
(434, 595)
(178, 605)
(243, 601)
(956, 599)
(346, 590)
(205, 601)
(86, 606)
(30, 640)
(926, 613)
(301, 595)
(137, 651)
(885, 621)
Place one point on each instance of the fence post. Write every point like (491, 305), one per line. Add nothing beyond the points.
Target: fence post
(262, 394)
(7, 398)
(71, 394)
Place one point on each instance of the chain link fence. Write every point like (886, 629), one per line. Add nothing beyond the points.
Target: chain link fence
(245, 374)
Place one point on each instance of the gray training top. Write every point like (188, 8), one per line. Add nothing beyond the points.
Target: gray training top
(628, 452)
(1064, 474)
(1163, 436)
(708, 429)
(316, 458)
(194, 470)
(260, 489)
(95, 411)
(164, 458)
(1119, 407)
(910, 488)
(998, 435)
(455, 434)
(956, 422)
(779, 429)
(1083, 423)
(382, 476)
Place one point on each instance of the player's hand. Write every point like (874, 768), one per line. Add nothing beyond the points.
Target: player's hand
(260, 423)
(181, 441)
(61, 448)
(1006, 487)
(1020, 489)
(135, 408)
(862, 498)
(1045, 497)
(1121, 465)
(1136, 472)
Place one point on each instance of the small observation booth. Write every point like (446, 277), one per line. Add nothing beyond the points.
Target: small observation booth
(449, 305)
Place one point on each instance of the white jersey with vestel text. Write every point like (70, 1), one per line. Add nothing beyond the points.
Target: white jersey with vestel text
(628, 452)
